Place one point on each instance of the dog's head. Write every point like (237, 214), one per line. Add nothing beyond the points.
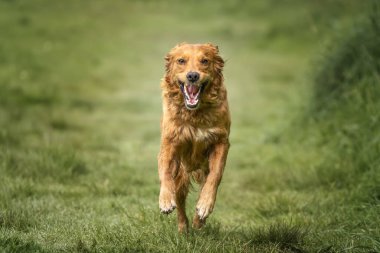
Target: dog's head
(192, 68)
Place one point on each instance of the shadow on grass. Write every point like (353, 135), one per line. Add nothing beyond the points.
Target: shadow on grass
(148, 231)
(276, 237)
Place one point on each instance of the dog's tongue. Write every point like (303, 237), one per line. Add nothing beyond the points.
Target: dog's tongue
(192, 90)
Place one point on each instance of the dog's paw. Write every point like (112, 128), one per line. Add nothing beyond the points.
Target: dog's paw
(166, 202)
(197, 222)
(167, 207)
(204, 208)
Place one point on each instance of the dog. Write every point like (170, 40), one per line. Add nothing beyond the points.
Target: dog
(195, 129)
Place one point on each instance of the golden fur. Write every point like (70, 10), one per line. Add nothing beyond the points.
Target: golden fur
(194, 138)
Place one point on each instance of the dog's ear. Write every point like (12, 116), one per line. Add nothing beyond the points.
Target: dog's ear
(219, 64)
(168, 62)
(168, 67)
(215, 48)
(218, 60)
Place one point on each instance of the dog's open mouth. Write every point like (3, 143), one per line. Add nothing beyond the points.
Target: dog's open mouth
(192, 94)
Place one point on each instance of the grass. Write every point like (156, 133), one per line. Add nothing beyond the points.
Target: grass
(80, 107)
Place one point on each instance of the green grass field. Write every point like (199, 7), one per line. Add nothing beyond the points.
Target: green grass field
(80, 105)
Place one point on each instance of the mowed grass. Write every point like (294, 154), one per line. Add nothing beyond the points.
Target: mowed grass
(80, 106)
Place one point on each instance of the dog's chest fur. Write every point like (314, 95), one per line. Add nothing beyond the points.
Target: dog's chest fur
(194, 145)
(193, 134)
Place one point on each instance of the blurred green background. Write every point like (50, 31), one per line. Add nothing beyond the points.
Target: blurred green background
(80, 105)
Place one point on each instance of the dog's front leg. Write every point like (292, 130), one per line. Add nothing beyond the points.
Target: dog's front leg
(205, 205)
(166, 167)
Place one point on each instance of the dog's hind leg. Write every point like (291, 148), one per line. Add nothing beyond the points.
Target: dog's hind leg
(198, 223)
(182, 183)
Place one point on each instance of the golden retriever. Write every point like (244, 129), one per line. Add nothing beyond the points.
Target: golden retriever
(194, 130)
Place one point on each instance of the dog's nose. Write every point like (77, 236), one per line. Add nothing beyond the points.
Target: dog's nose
(192, 76)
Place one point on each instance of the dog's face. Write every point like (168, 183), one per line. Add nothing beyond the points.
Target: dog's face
(193, 67)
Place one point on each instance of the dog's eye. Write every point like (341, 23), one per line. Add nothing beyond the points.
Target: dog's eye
(181, 61)
(204, 61)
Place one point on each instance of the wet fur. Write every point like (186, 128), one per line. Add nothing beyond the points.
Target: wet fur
(194, 143)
